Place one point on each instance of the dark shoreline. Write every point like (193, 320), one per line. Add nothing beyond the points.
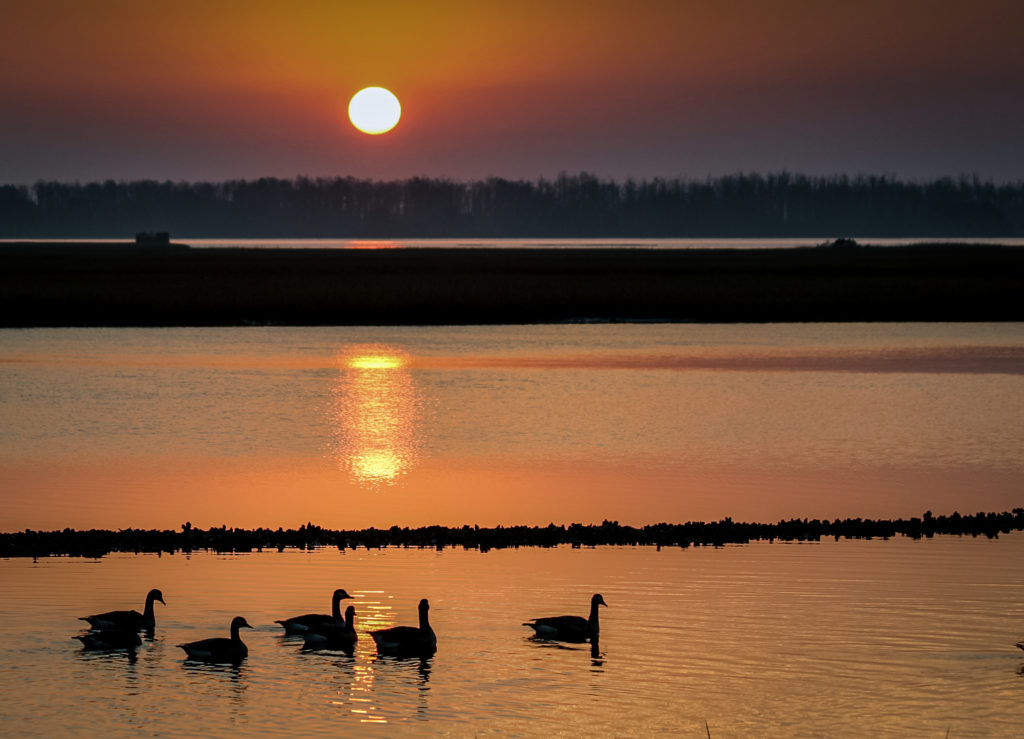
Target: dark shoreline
(97, 543)
(123, 284)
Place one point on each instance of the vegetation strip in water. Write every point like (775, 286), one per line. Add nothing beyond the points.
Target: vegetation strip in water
(100, 542)
(173, 285)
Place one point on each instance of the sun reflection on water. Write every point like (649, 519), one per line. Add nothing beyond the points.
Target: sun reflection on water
(374, 414)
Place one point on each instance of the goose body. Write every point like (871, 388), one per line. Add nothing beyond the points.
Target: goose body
(302, 624)
(110, 639)
(127, 620)
(220, 649)
(336, 636)
(570, 628)
(408, 640)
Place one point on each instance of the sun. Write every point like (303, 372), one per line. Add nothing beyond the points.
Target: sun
(374, 110)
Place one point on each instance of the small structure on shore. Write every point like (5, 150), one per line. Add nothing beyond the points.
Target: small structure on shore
(153, 238)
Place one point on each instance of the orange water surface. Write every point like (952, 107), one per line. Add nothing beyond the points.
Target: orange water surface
(356, 427)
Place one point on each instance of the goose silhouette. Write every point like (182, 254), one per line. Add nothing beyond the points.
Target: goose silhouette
(302, 624)
(570, 628)
(408, 640)
(220, 649)
(127, 620)
(335, 636)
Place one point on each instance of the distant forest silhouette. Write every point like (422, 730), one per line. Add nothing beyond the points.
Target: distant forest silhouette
(580, 205)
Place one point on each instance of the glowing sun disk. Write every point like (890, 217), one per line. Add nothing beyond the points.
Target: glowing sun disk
(374, 110)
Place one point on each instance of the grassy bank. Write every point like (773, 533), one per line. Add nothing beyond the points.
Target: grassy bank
(128, 285)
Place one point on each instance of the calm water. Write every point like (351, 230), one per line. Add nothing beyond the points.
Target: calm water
(836, 639)
(351, 427)
(354, 427)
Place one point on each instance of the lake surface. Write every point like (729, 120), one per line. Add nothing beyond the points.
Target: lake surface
(357, 427)
(354, 427)
(849, 638)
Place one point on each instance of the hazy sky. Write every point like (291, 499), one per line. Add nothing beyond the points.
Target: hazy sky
(209, 90)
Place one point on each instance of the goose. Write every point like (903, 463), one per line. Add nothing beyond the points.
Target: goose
(569, 628)
(127, 620)
(408, 640)
(336, 636)
(219, 649)
(302, 624)
(110, 639)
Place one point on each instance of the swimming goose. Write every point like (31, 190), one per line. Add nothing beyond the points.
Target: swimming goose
(336, 636)
(110, 639)
(302, 624)
(219, 649)
(569, 628)
(408, 640)
(127, 620)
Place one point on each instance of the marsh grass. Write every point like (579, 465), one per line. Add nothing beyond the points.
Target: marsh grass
(119, 285)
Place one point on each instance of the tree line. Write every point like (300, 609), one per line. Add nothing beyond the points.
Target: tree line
(570, 205)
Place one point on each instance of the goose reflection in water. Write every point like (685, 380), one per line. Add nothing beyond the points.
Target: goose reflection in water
(374, 414)
(108, 655)
(406, 662)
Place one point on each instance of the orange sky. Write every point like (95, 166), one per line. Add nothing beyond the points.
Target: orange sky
(215, 90)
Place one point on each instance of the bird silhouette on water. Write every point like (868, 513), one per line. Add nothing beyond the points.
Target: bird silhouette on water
(127, 620)
(341, 636)
(403, 641)
(570, 628)
(302, 624)
(220, 649)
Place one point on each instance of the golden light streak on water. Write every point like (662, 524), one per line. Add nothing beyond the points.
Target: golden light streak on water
(374, 414)
(376, 361)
